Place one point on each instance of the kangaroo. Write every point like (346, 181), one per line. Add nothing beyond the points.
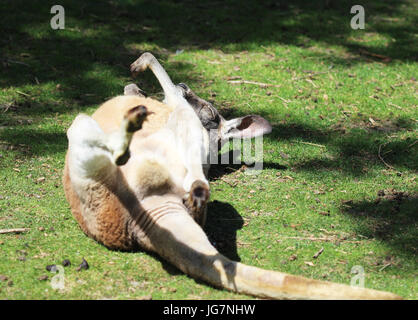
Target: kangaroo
(134, 178)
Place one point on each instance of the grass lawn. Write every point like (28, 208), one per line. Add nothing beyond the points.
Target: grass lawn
(340, 166)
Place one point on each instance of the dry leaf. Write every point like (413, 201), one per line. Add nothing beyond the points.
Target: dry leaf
(323, 213)
(284, 156)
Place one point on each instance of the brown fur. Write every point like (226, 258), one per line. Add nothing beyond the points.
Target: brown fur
(111, 216)
(73, 199)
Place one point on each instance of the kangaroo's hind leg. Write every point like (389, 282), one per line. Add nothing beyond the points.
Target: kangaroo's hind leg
(173, 95)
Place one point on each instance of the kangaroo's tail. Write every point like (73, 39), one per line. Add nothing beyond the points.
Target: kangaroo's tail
(177, 238)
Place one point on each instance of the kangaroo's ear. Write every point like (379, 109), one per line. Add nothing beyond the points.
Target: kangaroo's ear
(245, 127)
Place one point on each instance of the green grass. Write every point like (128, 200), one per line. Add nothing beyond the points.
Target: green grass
(339, 101)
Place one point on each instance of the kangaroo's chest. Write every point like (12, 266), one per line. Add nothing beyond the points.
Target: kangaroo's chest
(110, 114)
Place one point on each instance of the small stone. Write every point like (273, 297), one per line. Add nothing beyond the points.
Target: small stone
(66, 263)
(84, 265)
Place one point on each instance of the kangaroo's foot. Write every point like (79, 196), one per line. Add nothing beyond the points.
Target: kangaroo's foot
(197, 200)
(172, 94)
(142, 63)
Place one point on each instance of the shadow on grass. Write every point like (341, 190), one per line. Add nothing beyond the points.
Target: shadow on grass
(100, 35)
(222, 224)
(358, 149)
(218, 170)
(31, 141)
(391, 217)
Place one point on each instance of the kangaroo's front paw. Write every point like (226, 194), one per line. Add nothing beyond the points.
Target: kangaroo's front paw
(199, 194)
(119, 141)
(133, 90)
(196, 202)
(121, 159)
(135, 118)
(142, 63)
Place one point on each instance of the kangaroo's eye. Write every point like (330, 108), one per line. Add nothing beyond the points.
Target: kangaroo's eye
(184, 87)
(210, 119)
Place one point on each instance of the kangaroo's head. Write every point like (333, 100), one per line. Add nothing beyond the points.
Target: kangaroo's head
(243, 127)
